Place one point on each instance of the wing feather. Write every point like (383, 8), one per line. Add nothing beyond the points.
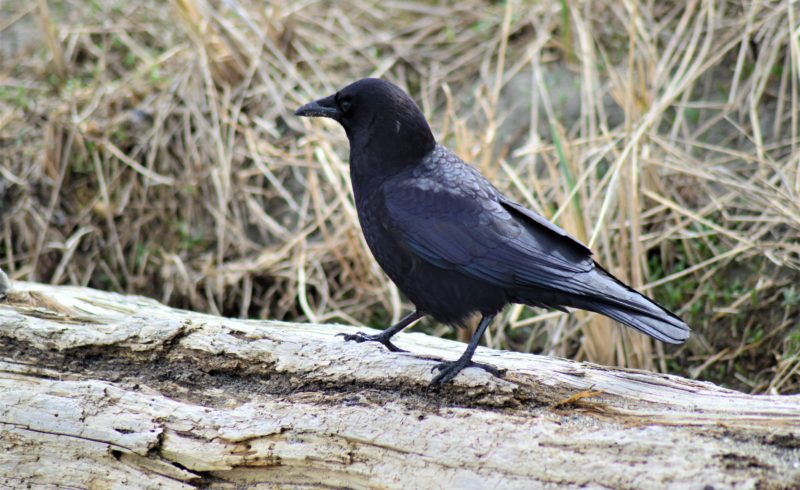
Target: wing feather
(468, 226)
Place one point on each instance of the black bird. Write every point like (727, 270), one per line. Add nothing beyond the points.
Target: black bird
(453, 244)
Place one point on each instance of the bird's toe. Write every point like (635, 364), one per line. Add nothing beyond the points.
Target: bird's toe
(362, 337)
(448, 370)
(354, 337)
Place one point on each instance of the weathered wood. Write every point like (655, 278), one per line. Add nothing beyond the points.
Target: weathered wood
(102, 390)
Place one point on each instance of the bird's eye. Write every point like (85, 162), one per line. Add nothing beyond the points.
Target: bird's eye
(344, 105)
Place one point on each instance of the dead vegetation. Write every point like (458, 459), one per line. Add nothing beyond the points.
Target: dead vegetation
(150, 147)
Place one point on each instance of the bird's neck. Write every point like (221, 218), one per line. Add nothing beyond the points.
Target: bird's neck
(374, 164)
(374, 156)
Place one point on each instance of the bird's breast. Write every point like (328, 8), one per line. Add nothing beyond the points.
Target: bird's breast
(447, 295)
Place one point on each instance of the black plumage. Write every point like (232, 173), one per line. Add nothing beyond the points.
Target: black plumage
(453, 244)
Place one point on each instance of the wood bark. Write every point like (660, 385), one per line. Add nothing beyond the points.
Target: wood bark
(101, 390)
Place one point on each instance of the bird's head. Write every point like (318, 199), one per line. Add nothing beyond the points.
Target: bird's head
(380, 120)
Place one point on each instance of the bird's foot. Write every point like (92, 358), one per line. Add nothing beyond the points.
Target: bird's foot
(380, 338)
(450, 369)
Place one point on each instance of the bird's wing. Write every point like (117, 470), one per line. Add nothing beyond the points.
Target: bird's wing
(463, 223)
(537, 219)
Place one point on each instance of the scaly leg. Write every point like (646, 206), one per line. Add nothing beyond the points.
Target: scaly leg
(449, 369)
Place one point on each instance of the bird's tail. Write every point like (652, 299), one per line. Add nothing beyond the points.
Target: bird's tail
(611, 297)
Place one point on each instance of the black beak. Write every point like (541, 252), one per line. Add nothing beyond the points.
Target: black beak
(320, 108)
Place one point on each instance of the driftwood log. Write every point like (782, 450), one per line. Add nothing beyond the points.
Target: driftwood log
(100, 390)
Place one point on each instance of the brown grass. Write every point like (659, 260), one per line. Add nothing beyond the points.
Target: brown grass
(151, 148)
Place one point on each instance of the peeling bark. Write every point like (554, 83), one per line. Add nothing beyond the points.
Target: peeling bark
(103, 390)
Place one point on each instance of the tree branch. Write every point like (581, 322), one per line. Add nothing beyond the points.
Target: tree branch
(99, 389)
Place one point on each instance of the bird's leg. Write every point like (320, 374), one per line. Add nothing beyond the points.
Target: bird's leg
(387, 334)
(449, 369)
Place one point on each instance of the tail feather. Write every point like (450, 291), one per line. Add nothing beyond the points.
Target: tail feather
(601, 292)
(613, 298)
(667, 328)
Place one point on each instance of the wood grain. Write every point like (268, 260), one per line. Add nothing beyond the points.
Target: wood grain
(100, 390)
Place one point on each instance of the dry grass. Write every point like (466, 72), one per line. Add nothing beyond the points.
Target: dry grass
(151, 148)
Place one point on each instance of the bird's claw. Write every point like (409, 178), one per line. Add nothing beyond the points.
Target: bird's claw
(362, 337)
(450, 369)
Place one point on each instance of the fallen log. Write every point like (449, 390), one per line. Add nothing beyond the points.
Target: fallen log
(103, 390)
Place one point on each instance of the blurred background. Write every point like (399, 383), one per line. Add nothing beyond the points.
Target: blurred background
(149, 147)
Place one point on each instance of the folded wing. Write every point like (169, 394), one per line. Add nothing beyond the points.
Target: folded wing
(469, 227)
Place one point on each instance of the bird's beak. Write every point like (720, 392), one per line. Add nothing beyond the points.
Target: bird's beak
(320, 108)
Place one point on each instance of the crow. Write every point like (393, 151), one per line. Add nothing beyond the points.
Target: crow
(451, 242)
